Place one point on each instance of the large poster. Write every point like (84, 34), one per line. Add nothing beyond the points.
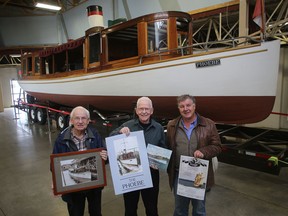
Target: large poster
(128, 162)
(192, 177)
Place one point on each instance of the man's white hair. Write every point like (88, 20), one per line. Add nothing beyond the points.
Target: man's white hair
(77, 108)
(144, 99)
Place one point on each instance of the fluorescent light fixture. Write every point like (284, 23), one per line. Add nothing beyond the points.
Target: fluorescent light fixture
(15, 56)
(47, 6)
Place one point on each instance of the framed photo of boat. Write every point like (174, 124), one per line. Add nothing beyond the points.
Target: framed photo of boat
(128, 162)
(77, 171)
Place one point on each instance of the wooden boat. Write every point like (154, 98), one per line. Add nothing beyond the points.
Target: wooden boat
(128, 158)
(83, 170)
(153, 56)
(81, 177)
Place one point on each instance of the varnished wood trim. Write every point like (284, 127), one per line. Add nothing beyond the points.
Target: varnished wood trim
(142, 38)
(172, 33)
(147, 18)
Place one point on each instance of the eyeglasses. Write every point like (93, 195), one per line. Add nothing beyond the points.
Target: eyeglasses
(142, 109)
(80, 118)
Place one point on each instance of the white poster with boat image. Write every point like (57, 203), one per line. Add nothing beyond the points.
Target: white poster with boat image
(158, 157)
(128, 162)
(192, 177)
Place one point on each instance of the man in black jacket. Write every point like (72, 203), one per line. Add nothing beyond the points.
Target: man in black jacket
(153, 134)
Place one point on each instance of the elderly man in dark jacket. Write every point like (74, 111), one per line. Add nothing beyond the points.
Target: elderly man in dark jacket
(80, 137)
(191, 135)
(154, 134)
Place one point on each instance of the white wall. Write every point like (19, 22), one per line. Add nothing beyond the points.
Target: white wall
(23, 31)
(7, 74)
(46, 30)
(140, 7)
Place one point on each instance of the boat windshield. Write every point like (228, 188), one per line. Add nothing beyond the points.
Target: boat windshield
(182, 32)
(157, 36)
(94, 48)
(37, 64)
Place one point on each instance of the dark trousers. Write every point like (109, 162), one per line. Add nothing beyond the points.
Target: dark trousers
(149, 197)
(76, 202)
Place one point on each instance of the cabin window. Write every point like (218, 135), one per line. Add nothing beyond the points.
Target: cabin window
(94, 48)
(60, 64)
(182, 32)
(37, 64)
(75, 58)
(29, 65)
(122, 43)
(42, 66)
(46, 65)
(157, 36)
(24, 66)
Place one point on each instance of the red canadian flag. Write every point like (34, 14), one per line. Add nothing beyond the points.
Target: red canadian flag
(258, 15)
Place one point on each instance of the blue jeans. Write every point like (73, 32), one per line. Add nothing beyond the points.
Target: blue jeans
(182, 203)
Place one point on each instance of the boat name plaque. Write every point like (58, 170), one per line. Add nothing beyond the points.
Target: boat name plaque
(208, 63)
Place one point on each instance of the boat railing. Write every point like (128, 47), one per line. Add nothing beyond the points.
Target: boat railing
(203, 47)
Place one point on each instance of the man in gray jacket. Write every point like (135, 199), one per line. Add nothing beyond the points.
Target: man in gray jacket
(154, 134)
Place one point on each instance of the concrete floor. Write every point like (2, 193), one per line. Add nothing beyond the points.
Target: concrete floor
(25, 183)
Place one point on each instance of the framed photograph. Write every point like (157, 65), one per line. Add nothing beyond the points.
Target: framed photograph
(76, 171)
(128, 162)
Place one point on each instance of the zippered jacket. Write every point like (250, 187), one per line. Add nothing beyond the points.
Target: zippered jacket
(154, 134)
(64, 143)
(208, 142)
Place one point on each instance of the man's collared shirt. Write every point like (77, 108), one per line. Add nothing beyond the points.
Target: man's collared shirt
(189, 130)
(80, 143)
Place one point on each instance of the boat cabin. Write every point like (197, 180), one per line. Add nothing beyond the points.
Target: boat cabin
(141, 40)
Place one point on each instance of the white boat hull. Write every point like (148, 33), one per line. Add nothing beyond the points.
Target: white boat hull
(241, 89)
(132, 161)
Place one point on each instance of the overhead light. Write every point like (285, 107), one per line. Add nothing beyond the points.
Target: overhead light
(47, 6)
(15, 56)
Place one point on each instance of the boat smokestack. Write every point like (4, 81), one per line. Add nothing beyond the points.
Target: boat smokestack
(95, 16)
